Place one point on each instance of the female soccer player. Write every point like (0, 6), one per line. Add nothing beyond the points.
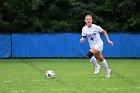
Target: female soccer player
(92, 32)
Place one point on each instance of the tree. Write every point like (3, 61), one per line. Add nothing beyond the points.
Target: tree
(43, 16)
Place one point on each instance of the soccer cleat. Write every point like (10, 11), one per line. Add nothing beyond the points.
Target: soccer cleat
(97, 69)
(108, 73)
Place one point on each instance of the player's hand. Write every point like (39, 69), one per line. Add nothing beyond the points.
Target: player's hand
(110, 42)
(81, 40)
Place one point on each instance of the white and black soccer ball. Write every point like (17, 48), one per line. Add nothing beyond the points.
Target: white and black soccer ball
(50, 74)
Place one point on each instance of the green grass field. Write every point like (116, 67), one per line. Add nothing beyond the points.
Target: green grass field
(72, 76)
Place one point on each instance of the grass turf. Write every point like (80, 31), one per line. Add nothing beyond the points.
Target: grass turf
(72, 76)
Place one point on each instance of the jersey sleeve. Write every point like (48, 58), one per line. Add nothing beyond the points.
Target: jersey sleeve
(83, 33)
(99, 29)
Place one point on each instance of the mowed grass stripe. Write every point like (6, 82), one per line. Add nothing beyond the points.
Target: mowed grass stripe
(72, 76)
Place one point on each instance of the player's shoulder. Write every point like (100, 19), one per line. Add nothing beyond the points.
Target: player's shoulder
(84, 28)
(97, 28)
(94, 25)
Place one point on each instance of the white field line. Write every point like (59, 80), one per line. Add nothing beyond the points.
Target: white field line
(36, 80)
(14, 91)
(21, 91)
(137, 87)
(112, 89)
(7, 81)
(18, 91)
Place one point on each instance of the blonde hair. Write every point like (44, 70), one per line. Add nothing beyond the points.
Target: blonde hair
(88, 16)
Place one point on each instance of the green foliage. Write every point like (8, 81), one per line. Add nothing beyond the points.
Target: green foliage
(43, 16)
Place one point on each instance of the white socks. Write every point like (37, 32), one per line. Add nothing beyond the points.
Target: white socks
(105, 65)
(94, 61)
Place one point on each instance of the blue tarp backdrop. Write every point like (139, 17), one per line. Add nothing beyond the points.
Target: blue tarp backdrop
(5, 46)
(125, 45)
(48, 45)
(65, 45)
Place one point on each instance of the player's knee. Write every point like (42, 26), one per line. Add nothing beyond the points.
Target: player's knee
(101, 59)
(89, 55)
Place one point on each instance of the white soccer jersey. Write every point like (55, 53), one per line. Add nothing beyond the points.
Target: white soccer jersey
(93, 35)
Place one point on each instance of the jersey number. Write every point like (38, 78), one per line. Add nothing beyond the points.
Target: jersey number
(91, 38)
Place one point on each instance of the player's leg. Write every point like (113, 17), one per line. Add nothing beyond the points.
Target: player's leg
(93, 60)
(104, 64)
(100, 57)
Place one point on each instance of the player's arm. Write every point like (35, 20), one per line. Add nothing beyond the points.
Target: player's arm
(83, 36)
(107, 38)
(82, 39)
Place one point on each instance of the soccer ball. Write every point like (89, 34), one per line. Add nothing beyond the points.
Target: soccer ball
(50, 74)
